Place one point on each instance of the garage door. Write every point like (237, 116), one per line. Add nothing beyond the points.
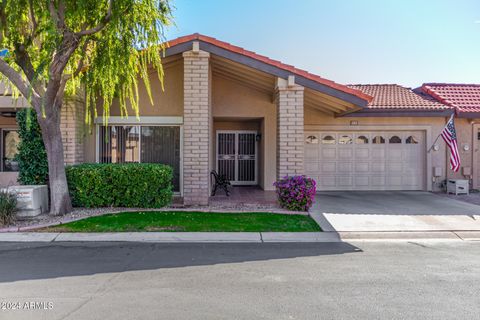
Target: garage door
(366, 160)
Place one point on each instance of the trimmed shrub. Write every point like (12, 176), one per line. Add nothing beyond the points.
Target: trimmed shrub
(141, 185)
(32, 156)
(296, 192)
(8, 207)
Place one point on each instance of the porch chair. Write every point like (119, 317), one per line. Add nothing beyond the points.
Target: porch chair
(220, 181)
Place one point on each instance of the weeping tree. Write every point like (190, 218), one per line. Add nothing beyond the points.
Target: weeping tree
(56, 47)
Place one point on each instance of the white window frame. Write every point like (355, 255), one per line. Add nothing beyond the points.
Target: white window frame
(146, 122)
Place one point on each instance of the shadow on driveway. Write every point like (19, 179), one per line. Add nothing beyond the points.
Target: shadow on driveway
(21, 261)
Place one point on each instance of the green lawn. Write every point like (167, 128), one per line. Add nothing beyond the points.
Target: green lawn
(175, 221)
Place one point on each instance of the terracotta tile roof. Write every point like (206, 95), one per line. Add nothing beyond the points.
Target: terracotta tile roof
(275, 63)
(463, 97)
(394, 96)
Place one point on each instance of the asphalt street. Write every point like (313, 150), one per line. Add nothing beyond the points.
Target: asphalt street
(358, 280)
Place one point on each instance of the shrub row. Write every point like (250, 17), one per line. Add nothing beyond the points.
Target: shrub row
(143, 185)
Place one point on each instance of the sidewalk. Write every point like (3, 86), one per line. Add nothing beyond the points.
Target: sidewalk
(239, 237)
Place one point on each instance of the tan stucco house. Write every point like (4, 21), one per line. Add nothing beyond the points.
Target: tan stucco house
(255, 120)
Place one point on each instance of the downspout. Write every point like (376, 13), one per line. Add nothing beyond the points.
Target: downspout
(474, 150)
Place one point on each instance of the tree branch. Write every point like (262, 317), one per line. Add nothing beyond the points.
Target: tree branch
(99, 26)
(53, 11)
(22, 85)
(34, 20)
(3, 19)
(22, 59)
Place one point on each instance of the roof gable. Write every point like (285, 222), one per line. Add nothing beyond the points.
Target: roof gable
(268, 65)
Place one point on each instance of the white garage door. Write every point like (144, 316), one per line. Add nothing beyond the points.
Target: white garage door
(366, 160)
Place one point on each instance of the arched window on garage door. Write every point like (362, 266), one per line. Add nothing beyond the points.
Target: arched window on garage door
(361, 140)
(345, 139)
(411, 140)
(378, 140)
(328, 140)
(395, 139)
(311, 140)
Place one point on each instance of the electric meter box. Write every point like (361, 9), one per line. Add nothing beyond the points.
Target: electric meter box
(31, 200)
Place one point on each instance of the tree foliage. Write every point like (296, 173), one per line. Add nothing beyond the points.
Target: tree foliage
(31, 156)
(111, 43)
(57, 45)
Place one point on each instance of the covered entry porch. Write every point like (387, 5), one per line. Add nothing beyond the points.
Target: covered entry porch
(246, 198)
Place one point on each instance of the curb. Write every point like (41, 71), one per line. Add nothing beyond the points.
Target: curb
(239, 237)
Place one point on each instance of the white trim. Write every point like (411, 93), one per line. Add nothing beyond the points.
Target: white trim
(97, 143)
(172, 120)
(236, 132)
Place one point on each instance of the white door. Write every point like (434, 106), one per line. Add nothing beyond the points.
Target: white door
(388, 160)
(237, 156)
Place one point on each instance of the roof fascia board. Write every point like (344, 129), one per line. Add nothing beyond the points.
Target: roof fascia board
(389, 113)
(267, 68)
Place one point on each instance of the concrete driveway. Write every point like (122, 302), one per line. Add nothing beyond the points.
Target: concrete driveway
(393, 211)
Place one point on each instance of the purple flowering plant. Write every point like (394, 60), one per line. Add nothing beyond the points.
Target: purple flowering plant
(296, 192)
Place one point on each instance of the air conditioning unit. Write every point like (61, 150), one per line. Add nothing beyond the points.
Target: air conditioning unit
(31, 200)
(457, 186)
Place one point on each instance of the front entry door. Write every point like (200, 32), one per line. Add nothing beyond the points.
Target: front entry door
(237, 156)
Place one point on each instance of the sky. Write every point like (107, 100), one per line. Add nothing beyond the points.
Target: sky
(408, 42)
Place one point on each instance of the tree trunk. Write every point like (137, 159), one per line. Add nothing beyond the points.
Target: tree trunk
(52, 138)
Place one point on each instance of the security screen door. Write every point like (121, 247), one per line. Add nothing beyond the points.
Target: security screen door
(237, 156)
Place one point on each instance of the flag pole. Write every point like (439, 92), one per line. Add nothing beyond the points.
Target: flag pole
(434, 142)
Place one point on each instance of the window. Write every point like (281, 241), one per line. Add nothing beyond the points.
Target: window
(411, 140)
(361, 140)
(10, 143)
(345, 140)
(147, 144)
(395, 139)
(328, 140)
(311, 140)
(378, 140)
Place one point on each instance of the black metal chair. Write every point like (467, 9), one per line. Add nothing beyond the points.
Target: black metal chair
(220, 181)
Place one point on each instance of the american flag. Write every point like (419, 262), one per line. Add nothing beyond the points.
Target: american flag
(450, 136)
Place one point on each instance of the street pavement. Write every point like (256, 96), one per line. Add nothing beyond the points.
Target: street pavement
(357, 280)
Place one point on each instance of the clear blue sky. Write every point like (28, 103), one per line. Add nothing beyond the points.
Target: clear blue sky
(349, 41)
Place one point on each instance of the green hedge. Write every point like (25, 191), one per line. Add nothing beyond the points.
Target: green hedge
(31, 156)
(142, 185)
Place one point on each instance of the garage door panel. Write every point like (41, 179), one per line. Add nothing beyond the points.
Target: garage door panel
(345, 181)
(328, 167)
(362, 167)
(366, 160)
(345, 167)
(378, 153)
(328, 153)
(378, 181)
(311, 154)
(311, 166)
(362, 153)
(345, 153)
(362, 181)
(327, 181)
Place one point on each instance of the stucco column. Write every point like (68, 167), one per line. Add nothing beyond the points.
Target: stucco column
(290, 128)
(72, 126)
(196, 127)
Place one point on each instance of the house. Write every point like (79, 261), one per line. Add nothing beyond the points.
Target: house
(255, 120)
(465, 100)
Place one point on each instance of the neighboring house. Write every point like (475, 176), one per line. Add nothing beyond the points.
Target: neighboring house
(465, 100)
(255, 120)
